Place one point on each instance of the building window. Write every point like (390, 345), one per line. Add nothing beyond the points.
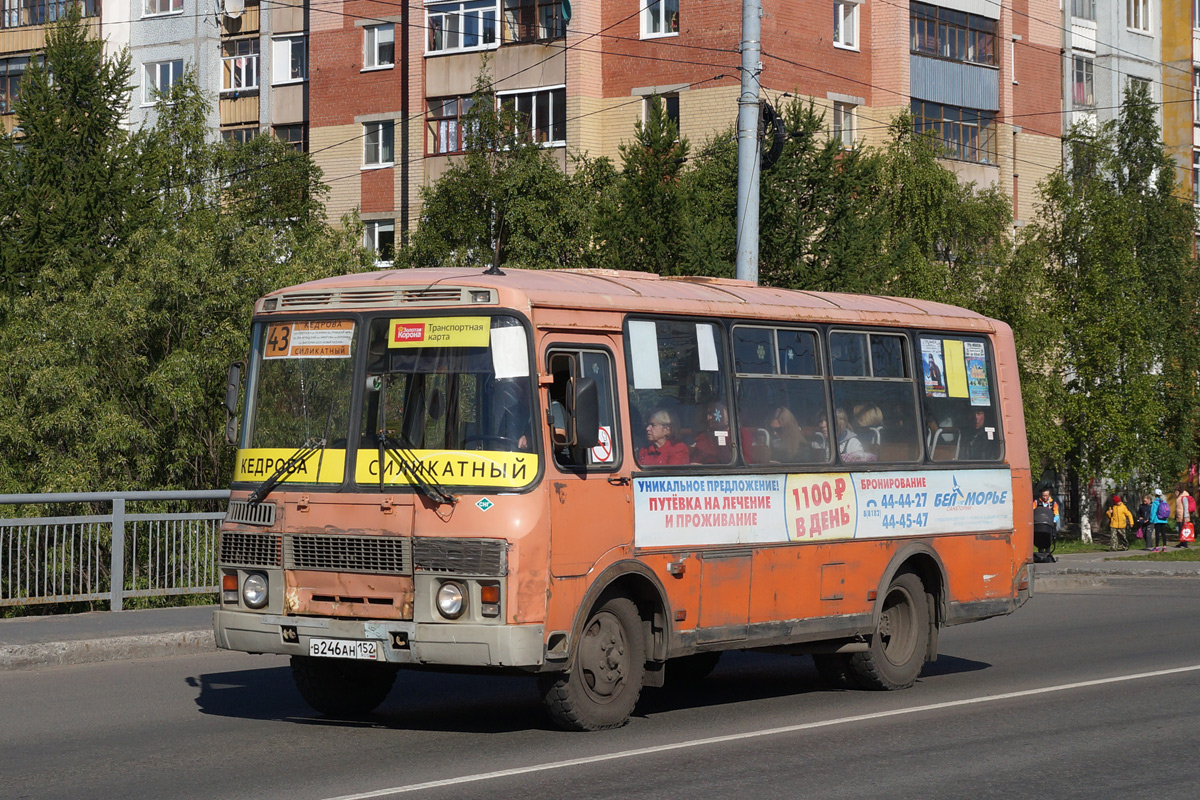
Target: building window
(1083, 9)
(241, 135)
(843, 123)
(380, 239)
(377, 143)
(1137, 15)
(1196, 13)
(455, 27)
(294, 135)
(11, 71)
(158, 78)
(1196, 177)
(1084, 94)
(670, 107)
(954, 35)
(239, 65)
(152, 8)
(1196, 96)
(845, 25)
(660, 18)
(446, 128)
(379, 46)
(289, 59)
(965, 134)
(1143, 84)
(533, 20)
(22, 13)
(541, 115)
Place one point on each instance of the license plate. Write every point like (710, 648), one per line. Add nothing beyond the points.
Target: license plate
(342, 648)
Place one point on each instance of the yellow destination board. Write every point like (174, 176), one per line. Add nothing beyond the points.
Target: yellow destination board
(451, 468)
(260, 463)
(440, 332)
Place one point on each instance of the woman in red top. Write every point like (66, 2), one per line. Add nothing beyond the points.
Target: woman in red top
(661, 450)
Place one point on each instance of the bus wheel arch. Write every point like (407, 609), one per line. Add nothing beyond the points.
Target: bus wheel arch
(909, 607)
(619, 632)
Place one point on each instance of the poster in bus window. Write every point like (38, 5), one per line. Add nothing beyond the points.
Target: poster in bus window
(977, 374)
(934, 366)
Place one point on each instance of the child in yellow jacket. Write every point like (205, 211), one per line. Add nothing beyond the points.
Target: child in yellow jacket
(1119, 521)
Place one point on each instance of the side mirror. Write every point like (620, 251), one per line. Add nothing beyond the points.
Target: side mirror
(583, 400)
(233, 384)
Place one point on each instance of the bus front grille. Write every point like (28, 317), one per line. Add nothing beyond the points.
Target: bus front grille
(484, 557)
(239, 548)
(382, 555)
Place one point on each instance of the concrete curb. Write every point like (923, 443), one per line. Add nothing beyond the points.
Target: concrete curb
(113, 648)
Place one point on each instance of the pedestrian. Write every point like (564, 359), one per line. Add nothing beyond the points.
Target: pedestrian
(1184, 506)
(1144, 526)
(1160, 515)
(1045, 525)
(1119, 519)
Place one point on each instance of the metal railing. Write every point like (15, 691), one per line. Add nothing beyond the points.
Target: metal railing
(108, 556)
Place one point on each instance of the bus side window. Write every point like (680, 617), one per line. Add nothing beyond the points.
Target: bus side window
(594, 364)
(962, 420)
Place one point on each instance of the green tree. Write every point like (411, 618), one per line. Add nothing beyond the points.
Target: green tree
(72, 186)
(641, 222)
(1121, 278)
(506, 192)
(115, 374)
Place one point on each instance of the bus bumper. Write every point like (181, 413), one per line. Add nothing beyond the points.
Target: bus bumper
(396, 642)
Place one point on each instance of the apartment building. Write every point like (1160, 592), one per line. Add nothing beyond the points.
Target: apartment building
(376, 89)
(985, 77)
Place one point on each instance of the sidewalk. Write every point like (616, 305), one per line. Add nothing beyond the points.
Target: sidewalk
(33, 642)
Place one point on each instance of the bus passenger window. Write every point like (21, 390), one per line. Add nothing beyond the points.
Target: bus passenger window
(874, 397)
(677, 407)
(961, 416)
(780, 396)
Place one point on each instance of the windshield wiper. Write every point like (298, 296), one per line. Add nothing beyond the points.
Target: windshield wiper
(411, 466)
(288, 468)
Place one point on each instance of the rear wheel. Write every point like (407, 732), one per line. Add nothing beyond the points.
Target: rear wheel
(897, 651)
(605, 681)
(340, 687)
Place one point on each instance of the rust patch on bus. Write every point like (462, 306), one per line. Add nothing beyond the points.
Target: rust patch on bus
(331, 594)
(560, 491)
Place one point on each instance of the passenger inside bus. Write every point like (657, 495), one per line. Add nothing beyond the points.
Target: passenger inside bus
(714, 443)
(850, 446)
(661, 449)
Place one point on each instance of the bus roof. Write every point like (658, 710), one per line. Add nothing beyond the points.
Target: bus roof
(616, 290)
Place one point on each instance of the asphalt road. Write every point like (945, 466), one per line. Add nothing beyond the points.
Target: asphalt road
(1085, 692)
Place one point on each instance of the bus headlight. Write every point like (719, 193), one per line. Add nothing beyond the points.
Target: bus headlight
(452, 599)
(254, 590)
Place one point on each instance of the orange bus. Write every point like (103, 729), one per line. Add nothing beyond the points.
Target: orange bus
(608, 478)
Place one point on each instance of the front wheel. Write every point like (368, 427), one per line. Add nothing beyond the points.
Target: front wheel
(340, 687)
(605, 681)
(896, 655)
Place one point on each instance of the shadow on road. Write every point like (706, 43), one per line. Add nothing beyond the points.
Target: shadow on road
(472, 703)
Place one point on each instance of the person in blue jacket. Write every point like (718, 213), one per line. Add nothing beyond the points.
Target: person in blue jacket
(1160, 513)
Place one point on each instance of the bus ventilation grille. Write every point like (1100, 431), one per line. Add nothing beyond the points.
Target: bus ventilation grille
(242, 549)
(379, 555)
(361, 298)
(251, 513)
(484, 557)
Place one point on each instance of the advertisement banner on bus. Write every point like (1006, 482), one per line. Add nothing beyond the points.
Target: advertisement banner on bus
(745, 509)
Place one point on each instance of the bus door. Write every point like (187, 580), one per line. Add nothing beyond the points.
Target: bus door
(591, 509)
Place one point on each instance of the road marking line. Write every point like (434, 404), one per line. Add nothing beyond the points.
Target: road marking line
(734, 737)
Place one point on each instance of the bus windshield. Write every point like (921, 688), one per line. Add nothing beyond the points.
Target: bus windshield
(439, 385)
(300, 384)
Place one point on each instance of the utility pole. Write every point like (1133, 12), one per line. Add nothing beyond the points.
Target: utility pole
(748, 144)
